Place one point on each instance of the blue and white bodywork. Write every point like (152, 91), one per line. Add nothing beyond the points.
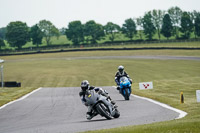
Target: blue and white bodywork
(125, 87)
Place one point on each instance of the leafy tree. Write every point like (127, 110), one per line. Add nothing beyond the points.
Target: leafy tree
(197, 24)
(3, 33)
(2, 44)
(56, 32)
(36, 35)
(167, 26)
(48, 30)
(74, 32)
(157, 18)
(195, 16)
(62, 31)
(129, 28)
(186, 25)
(149, 29)
(111, 29)
(94, 31)
(17, 34)
(175, 15)
(192, 17)
(139, 24)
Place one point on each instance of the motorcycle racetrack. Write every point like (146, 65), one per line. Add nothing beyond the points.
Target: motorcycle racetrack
(60, 110)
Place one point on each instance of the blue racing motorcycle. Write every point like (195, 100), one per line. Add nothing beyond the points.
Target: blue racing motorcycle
(125, 87)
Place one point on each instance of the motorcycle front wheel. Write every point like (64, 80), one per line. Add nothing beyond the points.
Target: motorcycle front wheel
(103, 110)
(126, 94)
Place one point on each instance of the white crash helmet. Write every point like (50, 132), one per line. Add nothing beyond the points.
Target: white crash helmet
(85, 85)
(121, 69)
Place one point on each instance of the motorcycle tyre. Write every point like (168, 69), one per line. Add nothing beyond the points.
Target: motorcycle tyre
(101, 110)
(126, 94)
(117, 114)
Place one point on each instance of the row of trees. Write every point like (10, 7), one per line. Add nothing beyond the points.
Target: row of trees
(18, 33)
(168, 23)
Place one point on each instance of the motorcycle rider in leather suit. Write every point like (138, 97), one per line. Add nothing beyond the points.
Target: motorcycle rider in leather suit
(121, 73)
(86, 86)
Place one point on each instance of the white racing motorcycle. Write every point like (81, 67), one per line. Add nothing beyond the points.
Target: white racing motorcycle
(101, 105)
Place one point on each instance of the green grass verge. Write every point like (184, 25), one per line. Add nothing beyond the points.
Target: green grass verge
(170, 77)
(195, 44)
(62, 40)
(10, 94)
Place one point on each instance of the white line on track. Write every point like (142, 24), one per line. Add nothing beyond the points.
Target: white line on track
(25, 96)
(181, 113)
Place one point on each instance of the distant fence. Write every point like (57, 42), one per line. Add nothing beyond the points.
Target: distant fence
(94, 47)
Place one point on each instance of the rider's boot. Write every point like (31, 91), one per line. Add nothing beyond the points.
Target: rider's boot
(89, 115)
(113, 102)
(118, 87)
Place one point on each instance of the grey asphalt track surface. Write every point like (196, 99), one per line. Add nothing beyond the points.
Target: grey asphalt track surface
(60, 110)
(114, 57)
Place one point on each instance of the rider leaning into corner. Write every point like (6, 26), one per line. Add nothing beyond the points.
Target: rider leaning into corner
(121, 73)
(86, 86)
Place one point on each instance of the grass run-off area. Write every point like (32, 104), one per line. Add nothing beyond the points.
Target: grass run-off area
(174, 43)
(169, 77)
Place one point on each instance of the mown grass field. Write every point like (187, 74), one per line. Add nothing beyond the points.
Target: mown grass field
(118, 37)
(170, 77)
(63, 40)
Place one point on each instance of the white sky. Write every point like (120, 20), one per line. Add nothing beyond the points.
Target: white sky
(61, 12)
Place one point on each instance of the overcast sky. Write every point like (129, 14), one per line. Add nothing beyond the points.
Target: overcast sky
(61, 12)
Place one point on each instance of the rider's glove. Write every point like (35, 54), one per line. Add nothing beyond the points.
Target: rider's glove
(100, 92)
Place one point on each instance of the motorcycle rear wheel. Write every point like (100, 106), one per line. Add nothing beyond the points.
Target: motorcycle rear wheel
(117, 114)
